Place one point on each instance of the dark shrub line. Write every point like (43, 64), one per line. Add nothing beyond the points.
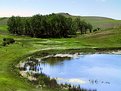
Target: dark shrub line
(7, 41)
(53, 25)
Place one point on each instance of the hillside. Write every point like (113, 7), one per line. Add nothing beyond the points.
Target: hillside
(102, 22)
(11, 54)
(3, 25)
(96, 21)
(3, 21)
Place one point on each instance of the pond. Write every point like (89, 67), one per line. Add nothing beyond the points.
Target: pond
(92, 71)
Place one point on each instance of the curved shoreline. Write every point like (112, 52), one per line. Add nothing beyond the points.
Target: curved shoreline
(13, 73)
(63, 53)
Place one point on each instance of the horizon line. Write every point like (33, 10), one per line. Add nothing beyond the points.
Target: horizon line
(78, 15)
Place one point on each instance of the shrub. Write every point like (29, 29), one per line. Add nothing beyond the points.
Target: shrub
(94, 30)
(8, 41)
(44, 80)
(4, 43)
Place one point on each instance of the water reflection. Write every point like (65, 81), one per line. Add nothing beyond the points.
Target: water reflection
(94, 71)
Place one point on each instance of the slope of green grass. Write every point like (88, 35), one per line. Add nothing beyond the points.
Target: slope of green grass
(3, 21)
(11, 54)
(3, 25)
(102, 22)
(96, 21)
(3, 29)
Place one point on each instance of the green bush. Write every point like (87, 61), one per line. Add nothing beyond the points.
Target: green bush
(44, 80)
(7, 41)
(4, 43)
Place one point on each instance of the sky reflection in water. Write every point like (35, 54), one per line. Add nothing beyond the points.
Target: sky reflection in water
(95, 71)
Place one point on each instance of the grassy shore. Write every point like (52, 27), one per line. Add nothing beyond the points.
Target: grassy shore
(24, 46)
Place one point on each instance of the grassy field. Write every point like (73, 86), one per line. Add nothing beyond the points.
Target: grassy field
(3, 21)
(101, 22)
(3, 29)
(13, 53)
(96, 21)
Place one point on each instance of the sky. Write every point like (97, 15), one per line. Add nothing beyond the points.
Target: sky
(104, 8)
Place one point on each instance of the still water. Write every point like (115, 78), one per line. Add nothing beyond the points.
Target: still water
(92, 71)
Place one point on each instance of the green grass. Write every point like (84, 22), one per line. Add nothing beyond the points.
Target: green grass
(9, 55)
(3, 21)
(3, 29)
(97, 21)
(12, 54)
(101, 22)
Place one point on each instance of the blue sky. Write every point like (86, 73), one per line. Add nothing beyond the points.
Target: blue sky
(105, 8)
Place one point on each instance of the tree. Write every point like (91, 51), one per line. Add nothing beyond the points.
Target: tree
(12, 25)
(90, 27)
(81, 25)
(27, 30)
(53, 25)
(19, 25)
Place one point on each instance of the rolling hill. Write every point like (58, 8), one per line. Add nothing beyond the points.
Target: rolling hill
(10, 55)
(3, 21)
(96, 21)
(3, 25)
(102, 22)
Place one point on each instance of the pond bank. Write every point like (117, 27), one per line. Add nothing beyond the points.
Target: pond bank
(111, 50)
(66, 53)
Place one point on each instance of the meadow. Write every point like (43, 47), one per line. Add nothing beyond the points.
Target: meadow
(24, 46)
